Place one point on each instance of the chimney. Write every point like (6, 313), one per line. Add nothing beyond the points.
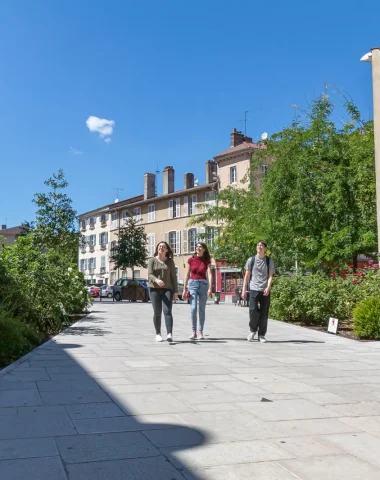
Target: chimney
(3, 227)
(188, 180)
(236, 138)
(149, 185)
(168, 180)
(211, 171)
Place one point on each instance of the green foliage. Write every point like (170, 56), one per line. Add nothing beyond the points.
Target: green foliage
(130, 251)
(16, 338)
(367, 318)
(55, 225)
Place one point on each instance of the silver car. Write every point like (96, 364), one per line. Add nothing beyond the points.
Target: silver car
(106, 291)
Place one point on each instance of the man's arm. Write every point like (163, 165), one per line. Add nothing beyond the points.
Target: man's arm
(247, 278)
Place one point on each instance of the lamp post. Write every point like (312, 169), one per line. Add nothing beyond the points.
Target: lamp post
(374, 57)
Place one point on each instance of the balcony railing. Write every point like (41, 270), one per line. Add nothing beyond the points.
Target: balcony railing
(92, 248)
(102, 269)
(91, 270)
(83, 227)
(83, 250)
(103, 246)
(92, 225)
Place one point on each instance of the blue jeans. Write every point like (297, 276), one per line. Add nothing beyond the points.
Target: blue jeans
(198, 289)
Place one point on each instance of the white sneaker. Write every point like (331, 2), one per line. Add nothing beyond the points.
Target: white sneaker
(158, 338)
(169, 338)
(193, 336)
(262, 339)
(251, 336)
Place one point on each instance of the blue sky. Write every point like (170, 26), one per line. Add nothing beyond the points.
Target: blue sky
(175, 77)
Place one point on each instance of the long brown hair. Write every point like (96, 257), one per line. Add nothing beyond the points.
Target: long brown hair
(206, 253)
(169, 253)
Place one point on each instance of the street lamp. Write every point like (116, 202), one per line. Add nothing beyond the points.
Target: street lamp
(374, 57)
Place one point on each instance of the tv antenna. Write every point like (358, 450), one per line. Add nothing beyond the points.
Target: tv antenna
(245, 121)
(117, 193)
(157, 172)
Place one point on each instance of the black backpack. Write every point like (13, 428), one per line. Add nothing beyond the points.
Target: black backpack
(252, 259)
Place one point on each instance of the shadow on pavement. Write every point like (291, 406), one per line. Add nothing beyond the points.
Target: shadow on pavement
(98, 437)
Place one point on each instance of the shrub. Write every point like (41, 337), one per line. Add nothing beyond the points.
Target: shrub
(16, 339)
(367, 318)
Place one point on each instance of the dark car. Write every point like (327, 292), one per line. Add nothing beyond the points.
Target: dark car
(123, 282)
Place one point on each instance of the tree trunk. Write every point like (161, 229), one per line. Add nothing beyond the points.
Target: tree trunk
(355, 262)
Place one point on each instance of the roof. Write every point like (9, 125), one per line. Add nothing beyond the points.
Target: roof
(11, 232)
(239, 148)
(141, 200)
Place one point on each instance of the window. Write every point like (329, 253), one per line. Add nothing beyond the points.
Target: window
(151, 244)
(112, 278)
(233, 175)
(137, 273)
(174, 240)
(211, 234)
(125, 215)
(151, 213)
(210, 199)
(113, 247)
(264, 169)
(114, 221)
(83, 265)
(193, 204)
(92, 222)
(103, 219)
(137, 213)
(192, 237)
(91, 240)
(103, 238)
(174, 208)
(103, 261)
(92, 264)
(124, 274)
(185, 206)
(83, 224)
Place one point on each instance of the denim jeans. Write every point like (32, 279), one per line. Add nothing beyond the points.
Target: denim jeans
(162, 299)
(198, 289)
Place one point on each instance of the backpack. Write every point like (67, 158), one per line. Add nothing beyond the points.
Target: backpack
(252, 259)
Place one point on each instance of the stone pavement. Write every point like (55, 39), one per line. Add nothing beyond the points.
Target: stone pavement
(104, 401)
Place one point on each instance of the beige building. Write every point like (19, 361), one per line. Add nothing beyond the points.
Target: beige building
(9, 235)
(166, 217)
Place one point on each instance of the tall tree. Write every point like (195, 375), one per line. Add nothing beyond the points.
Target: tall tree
(55, 226)
(130, 251)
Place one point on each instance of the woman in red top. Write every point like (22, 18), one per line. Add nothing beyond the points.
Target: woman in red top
(198, 279)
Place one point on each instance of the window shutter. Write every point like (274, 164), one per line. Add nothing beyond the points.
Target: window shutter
(185, 242)
(178, 207)
(100, 238)
(170, 209)
(153, 243)
(106, 237)
(167, 237)
(194, 200)
(185, 206)
(178, 242)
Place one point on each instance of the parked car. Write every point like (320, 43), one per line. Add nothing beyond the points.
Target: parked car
(93, 290)
(123, 282)
(106, 291)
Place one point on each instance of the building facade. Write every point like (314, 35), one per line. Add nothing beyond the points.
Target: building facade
(166, 217)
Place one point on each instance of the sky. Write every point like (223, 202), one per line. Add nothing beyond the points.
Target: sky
(110, 90)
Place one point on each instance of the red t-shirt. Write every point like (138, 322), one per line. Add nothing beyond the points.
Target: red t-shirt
(198, 268)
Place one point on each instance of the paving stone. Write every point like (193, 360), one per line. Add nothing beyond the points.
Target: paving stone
(286, 410)
(27, 448)
(362, 445)
(65, 385)
(303, 447)
(356, 409)
(247, 471)
(28, 375)
(94, 410)
(174, 437)
(70, 397)
(150, 377)
(225, 454)
(240, 388)
(208, 395)
(36, 422)
(337, 467)
(260, 377)
(19, 398)
(16, 385)
(322, 426)
(153, 468)
(366, 424)
(326, 398)
(106, 446)
(149, 403)
(145, 387)
(33, 468)
(195, 369)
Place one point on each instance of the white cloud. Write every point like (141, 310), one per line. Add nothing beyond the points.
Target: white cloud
(102, 126)
(75, 151)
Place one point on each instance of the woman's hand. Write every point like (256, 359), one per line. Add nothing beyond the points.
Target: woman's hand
(209, 292)
(175, 297)
(160, 283)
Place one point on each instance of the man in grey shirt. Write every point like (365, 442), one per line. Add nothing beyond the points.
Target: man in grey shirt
(259, 272)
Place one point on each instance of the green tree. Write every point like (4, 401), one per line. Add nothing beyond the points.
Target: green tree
(130, 251)
(55, 226)
(318, 202)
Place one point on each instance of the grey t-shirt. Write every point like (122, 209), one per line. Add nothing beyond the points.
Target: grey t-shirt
(259, 274)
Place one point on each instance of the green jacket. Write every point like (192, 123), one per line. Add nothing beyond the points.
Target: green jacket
(164, 271)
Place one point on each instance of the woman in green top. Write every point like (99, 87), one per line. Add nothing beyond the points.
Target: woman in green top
(162, 281)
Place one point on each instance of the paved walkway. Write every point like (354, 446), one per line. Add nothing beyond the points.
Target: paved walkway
(106, 402)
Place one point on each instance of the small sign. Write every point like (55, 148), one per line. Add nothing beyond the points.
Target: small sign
(333, 325)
